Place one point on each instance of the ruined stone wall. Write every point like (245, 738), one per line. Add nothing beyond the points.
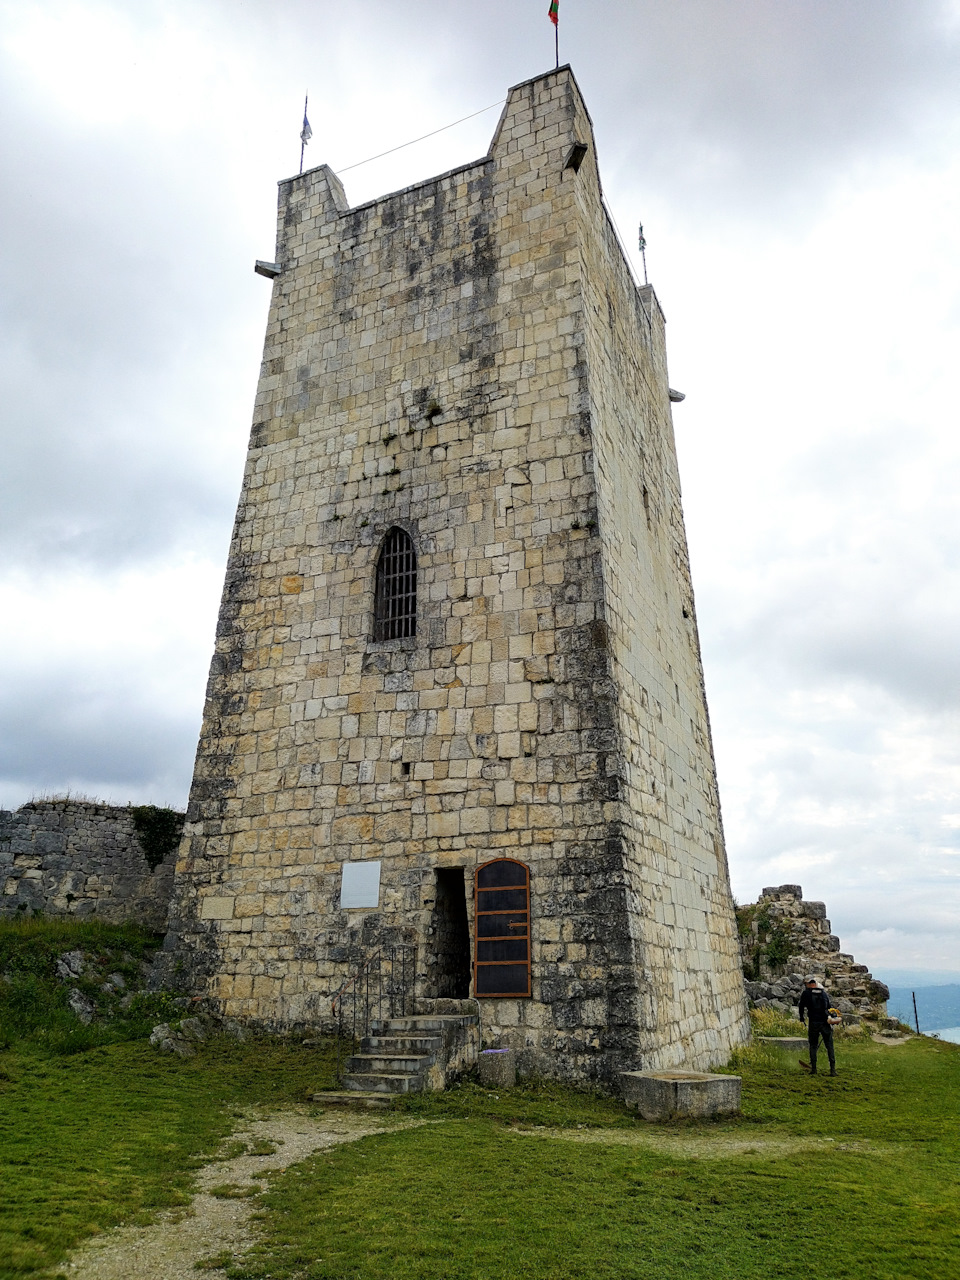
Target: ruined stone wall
(426, 366)
(73, 858)
(785, 938)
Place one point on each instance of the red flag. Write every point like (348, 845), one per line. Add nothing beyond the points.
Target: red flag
(554, 14)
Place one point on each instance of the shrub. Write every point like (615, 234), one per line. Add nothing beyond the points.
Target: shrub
(772, 1022)
(158, 830)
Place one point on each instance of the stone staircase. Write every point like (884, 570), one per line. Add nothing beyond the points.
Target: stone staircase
(412, 1054)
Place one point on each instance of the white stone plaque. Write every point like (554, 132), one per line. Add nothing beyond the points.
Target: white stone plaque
(360, 886)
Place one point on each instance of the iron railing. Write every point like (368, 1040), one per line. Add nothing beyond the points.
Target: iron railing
(382, 986)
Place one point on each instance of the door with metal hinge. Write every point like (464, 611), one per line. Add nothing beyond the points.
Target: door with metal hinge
(502, 955)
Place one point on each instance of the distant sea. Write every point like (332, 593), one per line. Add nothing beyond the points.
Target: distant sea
(937, 1007)
(916, 978)
(938, 999)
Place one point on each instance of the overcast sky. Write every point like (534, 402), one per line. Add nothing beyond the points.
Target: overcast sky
(795, 164)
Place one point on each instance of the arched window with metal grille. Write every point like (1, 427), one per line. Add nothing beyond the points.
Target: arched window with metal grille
(395, 607)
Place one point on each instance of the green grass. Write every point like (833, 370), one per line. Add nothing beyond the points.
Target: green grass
(33, 998)
(92, 1139)
(97, 1128)
(773, 1022)
(865, 1166)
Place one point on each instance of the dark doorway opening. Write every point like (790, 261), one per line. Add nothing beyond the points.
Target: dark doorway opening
(451, 936)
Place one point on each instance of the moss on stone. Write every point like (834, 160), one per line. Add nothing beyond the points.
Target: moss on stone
(158, 830)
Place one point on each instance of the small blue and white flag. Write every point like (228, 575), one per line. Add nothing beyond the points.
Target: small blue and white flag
(306, 132)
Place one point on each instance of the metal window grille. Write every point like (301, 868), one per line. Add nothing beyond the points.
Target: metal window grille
(395, 613)
(501, 964)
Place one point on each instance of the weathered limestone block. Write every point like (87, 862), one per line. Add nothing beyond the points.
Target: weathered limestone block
(498, 1068)
(668, 1095)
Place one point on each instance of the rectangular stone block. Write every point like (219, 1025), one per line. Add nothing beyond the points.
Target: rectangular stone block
(669, 1095)
(498, 1068)
(212, 908)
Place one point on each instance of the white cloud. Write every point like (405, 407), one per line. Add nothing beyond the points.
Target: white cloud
(795, 171)
(104, 680)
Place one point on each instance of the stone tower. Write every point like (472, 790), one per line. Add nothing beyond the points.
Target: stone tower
(457, 648)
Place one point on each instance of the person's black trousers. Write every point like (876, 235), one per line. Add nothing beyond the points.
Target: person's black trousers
(814, 1031)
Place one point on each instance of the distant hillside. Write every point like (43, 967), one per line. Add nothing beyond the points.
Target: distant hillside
(916, 978)
(936, 1006)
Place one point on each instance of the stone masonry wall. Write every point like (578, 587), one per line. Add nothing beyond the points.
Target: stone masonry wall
(428, 364)
(680, 901)
(73, 858)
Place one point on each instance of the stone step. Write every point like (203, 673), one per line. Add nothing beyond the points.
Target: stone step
(445, 1005)
(419, 1025)
(402, 1045)
(353, 1098)
(385, 1064)
(382, 1082)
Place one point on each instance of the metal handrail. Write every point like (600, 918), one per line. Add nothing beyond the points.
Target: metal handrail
(385, 978)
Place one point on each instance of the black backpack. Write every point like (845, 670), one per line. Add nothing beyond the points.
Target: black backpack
(819, 1009)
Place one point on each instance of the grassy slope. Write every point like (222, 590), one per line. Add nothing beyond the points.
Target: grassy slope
(97, 1138)
(877, 1197)
(34, 998)
(96, 1129)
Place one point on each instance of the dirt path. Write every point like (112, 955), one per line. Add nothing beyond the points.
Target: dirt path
(215, 1226)
(703, 1143)
(218, 1226)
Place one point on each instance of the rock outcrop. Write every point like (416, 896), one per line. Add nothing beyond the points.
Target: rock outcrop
(783, 938)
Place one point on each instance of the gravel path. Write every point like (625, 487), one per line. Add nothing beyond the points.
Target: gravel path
(214, 1226)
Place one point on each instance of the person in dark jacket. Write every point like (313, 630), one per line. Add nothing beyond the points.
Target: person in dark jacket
(814, 1007)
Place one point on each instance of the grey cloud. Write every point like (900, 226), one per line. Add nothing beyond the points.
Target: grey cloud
(759, 108)
(917, 911)
(839, 770)
(108, 374)
(719, 107)
(817, 632)
(97, 736)
(845, 586)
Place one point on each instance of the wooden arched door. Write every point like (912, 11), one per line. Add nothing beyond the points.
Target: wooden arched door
(502, 954)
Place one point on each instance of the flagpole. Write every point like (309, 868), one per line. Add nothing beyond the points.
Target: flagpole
(553, 13)
(303, 141)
